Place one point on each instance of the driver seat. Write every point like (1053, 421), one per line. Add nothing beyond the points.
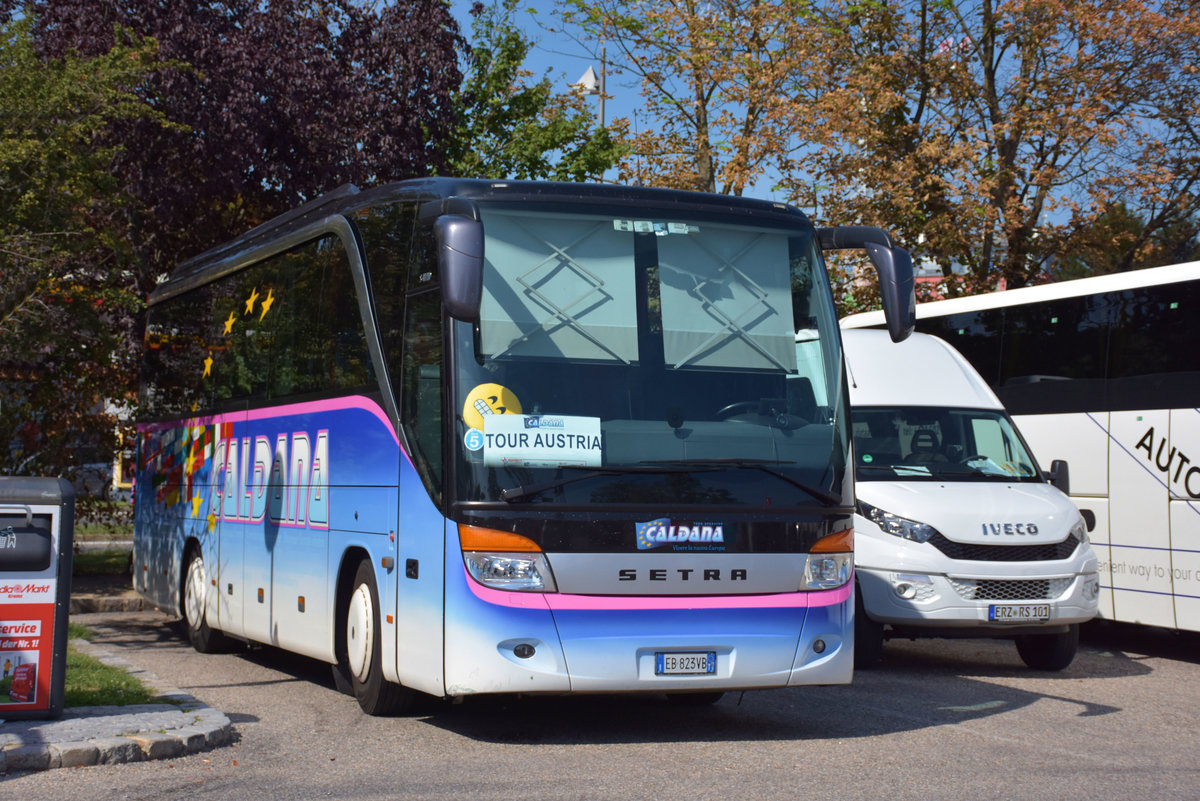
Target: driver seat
(925, 448)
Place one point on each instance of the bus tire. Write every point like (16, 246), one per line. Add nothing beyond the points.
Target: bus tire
(1049, 651)
(364, 662)
(193, 603)
(868, 636)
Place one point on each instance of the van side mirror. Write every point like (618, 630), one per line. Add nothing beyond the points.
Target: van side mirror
(897, 286)
(1089, 518)
(460, 264)
(1060, 476)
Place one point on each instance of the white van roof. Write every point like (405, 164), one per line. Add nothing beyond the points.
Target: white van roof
(920, 371)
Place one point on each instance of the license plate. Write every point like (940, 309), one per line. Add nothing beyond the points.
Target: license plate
(1019, 613)
(685, 663)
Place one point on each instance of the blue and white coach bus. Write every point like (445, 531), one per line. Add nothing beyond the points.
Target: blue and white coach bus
(459, 437)
(1104, 372)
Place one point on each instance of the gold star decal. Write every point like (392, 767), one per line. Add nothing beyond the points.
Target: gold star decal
(250, 301)
(229, 323)
(196, 506)
(190, 463)
(208, 363)
(266, 304)
(212, 521)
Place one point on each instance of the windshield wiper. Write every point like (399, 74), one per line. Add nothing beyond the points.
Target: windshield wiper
(827, 498)
(516, 493)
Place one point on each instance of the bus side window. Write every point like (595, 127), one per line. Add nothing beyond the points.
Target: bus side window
(421, 405)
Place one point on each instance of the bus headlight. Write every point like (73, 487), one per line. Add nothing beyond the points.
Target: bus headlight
(521, 572)
(826, 571)
(830, 562)
(504, 560)
(896, 525)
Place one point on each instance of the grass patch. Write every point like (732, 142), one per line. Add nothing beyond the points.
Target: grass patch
(78, 631)
(90, 682)
(112, 562)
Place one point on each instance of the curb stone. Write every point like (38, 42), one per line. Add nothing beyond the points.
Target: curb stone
(109, 735)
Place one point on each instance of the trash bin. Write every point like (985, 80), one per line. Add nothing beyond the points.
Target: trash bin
(37, 533)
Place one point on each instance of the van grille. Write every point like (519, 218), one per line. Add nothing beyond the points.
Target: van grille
(1006, 553)
(1015, 590)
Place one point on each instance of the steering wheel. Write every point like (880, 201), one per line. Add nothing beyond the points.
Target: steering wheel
(736, 408)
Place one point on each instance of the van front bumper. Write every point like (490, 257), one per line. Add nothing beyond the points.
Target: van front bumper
(971, 601)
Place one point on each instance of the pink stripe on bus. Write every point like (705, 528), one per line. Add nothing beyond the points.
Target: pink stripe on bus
(613, 603)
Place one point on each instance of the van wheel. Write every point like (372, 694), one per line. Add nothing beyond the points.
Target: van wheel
(1049, 651)
(194, 604)
(364, 662)
(868, 636)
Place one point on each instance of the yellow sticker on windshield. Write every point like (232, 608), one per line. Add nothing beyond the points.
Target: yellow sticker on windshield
(488, 399)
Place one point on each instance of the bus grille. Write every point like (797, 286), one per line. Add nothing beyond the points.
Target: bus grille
(1015, 590)
(1006, 553)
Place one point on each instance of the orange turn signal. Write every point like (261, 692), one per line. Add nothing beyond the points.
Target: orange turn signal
(477, 538)
(838, 542)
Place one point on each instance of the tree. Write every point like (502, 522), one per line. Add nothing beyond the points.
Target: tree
(508, 128)
(275, 103)
(67, 302)
(994, 135)
(713, 75)
(139, 132)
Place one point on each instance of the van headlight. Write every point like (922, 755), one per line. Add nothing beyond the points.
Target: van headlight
(1079, 531)
(896, 525)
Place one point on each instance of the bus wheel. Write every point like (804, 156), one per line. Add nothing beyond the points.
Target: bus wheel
(204, 638)
(1049, 651)
(364, 663)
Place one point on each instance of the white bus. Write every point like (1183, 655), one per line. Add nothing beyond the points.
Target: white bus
(1104, 372)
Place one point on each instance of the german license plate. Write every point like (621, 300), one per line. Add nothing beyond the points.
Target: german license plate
(1019, 613)
(685, 663)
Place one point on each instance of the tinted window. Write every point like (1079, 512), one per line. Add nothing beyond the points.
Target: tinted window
(1053, 356)
(1154, 352)
(285, 326)
(977, 335)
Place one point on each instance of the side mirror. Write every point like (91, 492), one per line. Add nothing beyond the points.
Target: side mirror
(460, 264)
(897, 286)
(1060, 476)
(1089, 518)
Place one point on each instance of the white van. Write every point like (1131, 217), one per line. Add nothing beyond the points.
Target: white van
(959, 534)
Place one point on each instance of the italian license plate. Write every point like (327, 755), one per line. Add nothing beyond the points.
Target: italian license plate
(1019, 613)
(685, 663)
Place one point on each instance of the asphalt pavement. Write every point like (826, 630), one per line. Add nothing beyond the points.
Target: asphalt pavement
(105, 735)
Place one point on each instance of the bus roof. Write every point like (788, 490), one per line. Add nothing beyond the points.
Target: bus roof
(1114, 282)
(349, 198)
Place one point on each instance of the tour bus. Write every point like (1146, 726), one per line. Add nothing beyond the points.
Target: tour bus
(457, 437)
(958, 534)
(1104, 372)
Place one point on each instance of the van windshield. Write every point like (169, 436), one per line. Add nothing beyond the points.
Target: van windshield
(914, 443)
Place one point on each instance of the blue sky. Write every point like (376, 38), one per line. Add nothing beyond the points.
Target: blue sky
(563, 60)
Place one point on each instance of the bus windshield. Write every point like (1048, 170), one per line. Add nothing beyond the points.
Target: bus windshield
(648, 357)
(917, 443)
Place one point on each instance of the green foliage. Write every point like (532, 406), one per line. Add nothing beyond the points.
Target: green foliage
(511, 128)
(110, 562)
(67, 301)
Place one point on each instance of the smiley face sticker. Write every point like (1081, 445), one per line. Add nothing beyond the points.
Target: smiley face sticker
(488, 399)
